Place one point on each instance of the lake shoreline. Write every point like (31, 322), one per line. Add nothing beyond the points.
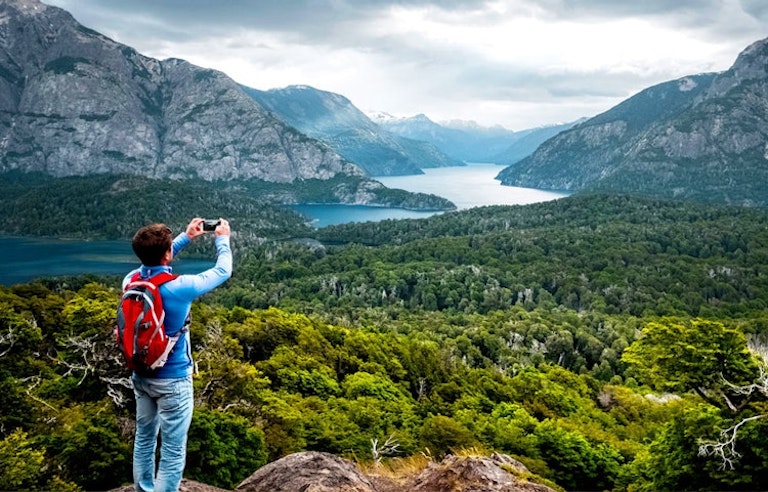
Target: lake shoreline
(470, 186)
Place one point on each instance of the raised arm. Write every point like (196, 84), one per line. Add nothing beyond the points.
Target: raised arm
(194, 230)
(191, 286)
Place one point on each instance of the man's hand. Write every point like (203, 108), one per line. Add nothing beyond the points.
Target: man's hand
(195, 228)
(222, 229)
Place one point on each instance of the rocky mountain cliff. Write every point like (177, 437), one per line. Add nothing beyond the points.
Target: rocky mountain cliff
(471, 142)
(74, 102)
(703, 137)
(333, 119)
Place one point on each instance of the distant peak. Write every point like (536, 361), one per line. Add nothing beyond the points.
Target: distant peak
(28, 7)
(380, 116)
(300, 87)
(421, 117)
(460, 124)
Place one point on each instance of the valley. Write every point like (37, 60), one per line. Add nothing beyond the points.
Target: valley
(605, 327)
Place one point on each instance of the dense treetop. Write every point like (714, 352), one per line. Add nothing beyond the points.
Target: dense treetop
(605, 341)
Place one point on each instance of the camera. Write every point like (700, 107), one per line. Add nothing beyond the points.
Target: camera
(211, 224)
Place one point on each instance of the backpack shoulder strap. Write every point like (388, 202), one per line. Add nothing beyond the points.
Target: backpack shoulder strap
(162, 278)
(157, 280)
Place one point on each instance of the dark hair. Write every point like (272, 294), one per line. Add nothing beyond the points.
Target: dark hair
(150, 243)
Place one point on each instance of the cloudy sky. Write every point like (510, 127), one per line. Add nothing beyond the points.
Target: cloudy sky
(515, 63)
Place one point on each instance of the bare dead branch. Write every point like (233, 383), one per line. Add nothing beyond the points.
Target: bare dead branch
(389, 448)
(758, 345)
(34, 382)
(114, 391)
(759, 386)
(8, 339)
(725, 449)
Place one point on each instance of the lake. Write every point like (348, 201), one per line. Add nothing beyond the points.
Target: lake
(466, 186)
(30, 258)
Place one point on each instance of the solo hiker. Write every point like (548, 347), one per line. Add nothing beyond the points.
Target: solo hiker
(163, 384)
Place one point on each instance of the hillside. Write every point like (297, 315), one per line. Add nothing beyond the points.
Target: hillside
(527, 141)
(617, 254)
(586, 338)
(699, 138)
(75, 103)
(333, 119)
(114, 206)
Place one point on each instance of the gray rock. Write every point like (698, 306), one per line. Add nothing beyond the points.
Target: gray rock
(473, 474)
(308, 472)
(74, 102)
(313, 471)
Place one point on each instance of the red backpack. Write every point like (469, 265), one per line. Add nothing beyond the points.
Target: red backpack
(139, 329)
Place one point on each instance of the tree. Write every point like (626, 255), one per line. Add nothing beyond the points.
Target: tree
(90, 447)
(20, 463)
(223, 449)
(441, 435)
(576, 463)
(717, 364)
(695, 355)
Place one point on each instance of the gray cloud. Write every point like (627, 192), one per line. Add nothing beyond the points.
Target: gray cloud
(756, 8)
(344, 46)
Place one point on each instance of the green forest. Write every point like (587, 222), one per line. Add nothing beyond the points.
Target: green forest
(607, 342)
(106, 206)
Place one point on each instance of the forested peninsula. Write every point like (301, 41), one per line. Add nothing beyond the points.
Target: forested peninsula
(607, 342)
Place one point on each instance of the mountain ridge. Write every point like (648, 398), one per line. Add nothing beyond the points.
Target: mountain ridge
(469, 141)
(74, 101)
(701, 137)
(333, 119)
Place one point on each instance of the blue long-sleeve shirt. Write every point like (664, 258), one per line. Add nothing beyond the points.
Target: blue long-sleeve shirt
(178, 295)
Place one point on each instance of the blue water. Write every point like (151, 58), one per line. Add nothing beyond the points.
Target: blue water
(470, 186)
(466, 186)
(30, 258)
(324, 215)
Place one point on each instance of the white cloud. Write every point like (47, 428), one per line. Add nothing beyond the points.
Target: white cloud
(519, 63)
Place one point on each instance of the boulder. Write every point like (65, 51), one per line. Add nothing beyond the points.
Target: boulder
(308, 472)
(473, 474)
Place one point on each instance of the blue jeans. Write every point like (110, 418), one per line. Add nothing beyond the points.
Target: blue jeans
(164, 406)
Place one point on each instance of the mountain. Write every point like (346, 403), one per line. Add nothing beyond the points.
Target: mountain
(702, 137)
(333, 119)
(525, 142)
(74, 102)
(469, 141)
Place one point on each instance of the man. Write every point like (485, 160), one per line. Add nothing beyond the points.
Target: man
(164, 399)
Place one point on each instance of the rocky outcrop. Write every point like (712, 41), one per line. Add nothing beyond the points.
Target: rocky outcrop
(594, 150)
(703, 137)
(308, 472)
(186, 486)
(473, 474)
(74, 102)
(313, 471)
(323, 472)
